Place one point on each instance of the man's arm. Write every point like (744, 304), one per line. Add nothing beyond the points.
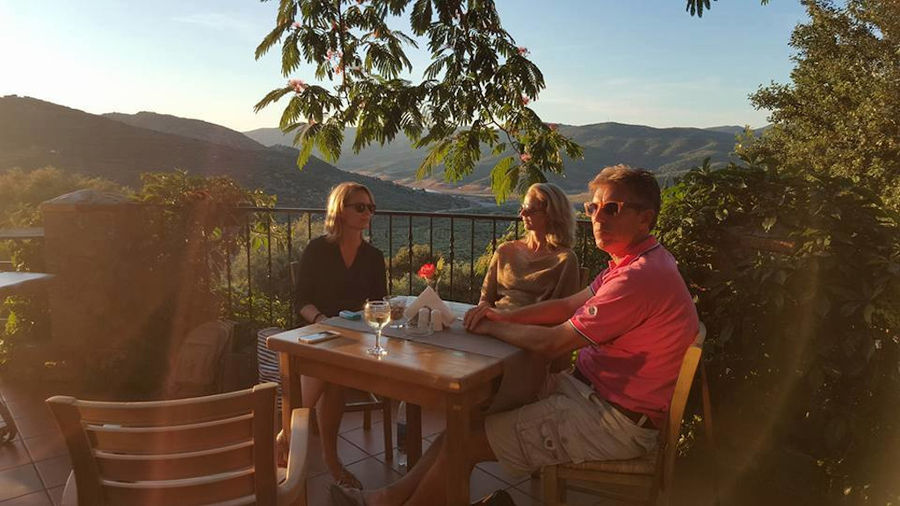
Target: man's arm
(549, 342)
(548, 312)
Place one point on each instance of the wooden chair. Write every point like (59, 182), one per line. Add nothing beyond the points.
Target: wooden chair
(369, 403)
(645, 479)
(218, 449)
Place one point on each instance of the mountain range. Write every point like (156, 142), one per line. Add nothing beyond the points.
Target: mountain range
(119, 147)
(665, 151)
(35, 133)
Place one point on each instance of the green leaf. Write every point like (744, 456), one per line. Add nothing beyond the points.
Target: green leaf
(501, 182)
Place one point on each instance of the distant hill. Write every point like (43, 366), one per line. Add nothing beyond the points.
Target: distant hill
(665, 151)
(35, 133)
(193, 128)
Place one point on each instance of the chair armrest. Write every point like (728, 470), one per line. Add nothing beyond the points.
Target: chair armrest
(293, 485)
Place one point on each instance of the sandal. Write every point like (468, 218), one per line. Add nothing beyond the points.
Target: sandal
(348, 480)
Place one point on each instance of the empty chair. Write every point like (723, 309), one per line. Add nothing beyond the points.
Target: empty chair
(209, 450)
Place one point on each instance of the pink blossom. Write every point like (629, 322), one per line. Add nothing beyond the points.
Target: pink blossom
(522, 50)
(329, 54)
(296, 25)
(297, 84)
(525, 100)
(553, 126)
(525, 157)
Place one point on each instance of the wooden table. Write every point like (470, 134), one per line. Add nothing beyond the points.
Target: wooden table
(22, 283)
(420, 374)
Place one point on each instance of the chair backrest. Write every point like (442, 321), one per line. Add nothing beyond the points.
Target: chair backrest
(202, 450)
(672, 429)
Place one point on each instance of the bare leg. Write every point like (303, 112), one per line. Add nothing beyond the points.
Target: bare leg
(431, 489)
(399, 491)
(328, 413)
(312, 389)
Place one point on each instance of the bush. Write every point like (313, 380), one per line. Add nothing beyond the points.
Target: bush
(796, 279)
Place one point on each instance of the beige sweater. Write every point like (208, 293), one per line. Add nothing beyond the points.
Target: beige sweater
(518, 277)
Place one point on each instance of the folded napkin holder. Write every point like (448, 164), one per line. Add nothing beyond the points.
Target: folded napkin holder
(430, 299)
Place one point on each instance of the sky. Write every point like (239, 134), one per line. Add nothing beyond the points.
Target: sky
(641, 62)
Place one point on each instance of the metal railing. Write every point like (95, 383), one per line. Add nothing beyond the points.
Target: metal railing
(271, 238)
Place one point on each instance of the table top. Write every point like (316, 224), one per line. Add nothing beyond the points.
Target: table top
(422, 364)
(18, 283)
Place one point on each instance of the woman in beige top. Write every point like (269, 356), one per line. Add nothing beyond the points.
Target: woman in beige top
(541, 265)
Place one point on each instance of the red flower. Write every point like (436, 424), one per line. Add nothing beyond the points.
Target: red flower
(525, 157)
(426, 271)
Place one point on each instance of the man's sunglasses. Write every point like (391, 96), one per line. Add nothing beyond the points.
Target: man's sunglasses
(361, 208)
(609, 208)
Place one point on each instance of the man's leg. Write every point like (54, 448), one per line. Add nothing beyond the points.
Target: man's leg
(431, 489)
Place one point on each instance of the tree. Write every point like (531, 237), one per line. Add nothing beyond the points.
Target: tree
(474, 94)
(697, 6)
(839, 114)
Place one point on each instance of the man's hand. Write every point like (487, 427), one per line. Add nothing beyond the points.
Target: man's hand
(478, 313)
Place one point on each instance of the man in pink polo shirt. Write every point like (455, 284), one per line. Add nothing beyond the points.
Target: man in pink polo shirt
(633, 325)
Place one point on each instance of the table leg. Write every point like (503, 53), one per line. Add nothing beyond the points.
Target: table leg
(457, 443)
(290, 393)
(413, 434)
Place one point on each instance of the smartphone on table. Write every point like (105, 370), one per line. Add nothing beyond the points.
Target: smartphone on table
(318, 337)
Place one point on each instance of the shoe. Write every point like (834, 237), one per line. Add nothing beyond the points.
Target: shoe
(348, 480)
(496, 498)
(343, 496)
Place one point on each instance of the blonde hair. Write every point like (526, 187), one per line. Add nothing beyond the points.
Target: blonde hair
(560, 217)
(335, 209)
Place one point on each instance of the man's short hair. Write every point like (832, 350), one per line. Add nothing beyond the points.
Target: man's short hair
(640, 183)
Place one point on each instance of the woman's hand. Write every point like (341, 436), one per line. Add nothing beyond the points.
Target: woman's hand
(476, 314)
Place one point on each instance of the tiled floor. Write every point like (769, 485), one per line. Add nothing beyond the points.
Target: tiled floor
(34, 467)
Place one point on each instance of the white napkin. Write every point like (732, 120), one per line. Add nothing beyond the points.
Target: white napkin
(429, 298)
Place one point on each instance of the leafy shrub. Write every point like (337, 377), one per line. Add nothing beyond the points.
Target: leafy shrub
(796, 278)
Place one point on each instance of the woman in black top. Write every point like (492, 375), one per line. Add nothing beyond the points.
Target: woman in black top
(338, 270)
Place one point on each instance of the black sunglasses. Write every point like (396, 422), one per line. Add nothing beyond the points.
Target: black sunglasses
(610, 208)
(361, 208)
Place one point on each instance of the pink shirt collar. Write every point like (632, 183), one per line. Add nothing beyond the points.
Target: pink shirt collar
(635, 252)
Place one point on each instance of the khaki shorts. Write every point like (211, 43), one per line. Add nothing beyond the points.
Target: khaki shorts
(569, 423)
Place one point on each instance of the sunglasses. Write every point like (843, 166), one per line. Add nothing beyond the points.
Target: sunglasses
(529, 210)
(610, 208)
(361, 208)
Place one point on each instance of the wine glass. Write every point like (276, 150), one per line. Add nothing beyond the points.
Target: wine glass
(377, 314)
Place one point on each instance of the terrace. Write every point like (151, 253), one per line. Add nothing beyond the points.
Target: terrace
(106, 300)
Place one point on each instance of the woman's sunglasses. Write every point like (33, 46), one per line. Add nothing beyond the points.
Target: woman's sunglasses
(610, 208)
(529, 210)
(361, 208)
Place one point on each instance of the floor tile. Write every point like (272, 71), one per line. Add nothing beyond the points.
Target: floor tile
(54, 472)
(36, 425)
(56, 494)
(395, 462)
(33, 499)
(482, 484)
(19, 481)
(373, 473)
(13, 455)
(28, 408)
(347, 452)
(371, 441)
(496, 470)
(46, 446)
(521, 498)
